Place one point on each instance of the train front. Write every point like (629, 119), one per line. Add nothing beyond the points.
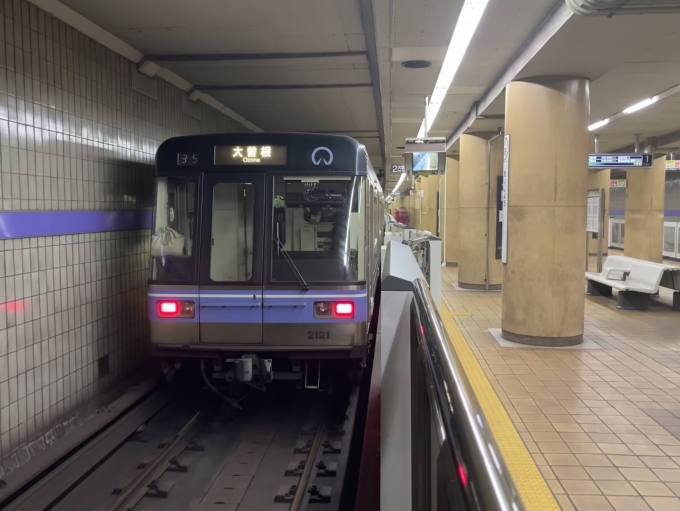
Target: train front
(260, 255)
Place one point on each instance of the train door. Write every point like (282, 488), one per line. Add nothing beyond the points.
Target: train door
(230, 291)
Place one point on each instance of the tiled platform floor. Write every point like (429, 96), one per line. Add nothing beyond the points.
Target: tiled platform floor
(602, 425)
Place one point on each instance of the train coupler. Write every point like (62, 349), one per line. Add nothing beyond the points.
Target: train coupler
(256, 372)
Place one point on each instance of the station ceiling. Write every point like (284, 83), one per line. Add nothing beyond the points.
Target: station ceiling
(336, 65)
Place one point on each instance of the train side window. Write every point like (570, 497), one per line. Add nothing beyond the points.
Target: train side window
(172, 241)
(231, 252)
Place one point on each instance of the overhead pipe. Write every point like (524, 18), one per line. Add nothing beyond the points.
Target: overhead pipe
(610, 8)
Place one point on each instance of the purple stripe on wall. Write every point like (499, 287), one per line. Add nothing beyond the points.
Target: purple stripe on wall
(25, 224)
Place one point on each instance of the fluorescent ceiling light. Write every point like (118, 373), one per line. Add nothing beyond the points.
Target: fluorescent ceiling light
(598, 124)
(641, 105)
(401, 180)
(466, 26)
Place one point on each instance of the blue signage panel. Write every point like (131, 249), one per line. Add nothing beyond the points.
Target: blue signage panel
(619, 160)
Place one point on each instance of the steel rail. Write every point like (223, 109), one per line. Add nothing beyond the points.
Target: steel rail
(309, 464)
(63, 474)
(135, 490)
(484, 479)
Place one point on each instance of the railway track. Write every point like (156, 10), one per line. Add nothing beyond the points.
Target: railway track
(287, 451)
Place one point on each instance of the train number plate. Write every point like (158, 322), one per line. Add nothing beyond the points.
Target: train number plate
(318, 334)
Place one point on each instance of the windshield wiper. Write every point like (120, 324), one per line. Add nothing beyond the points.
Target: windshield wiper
(290, 262)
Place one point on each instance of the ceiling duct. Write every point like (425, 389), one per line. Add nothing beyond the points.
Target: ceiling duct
(610, 8)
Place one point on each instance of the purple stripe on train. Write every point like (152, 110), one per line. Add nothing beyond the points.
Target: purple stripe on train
(277, 306)
(26, 224)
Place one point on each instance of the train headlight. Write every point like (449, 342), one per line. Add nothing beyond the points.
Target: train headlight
(175, 309)
(323, 308)
(334, 310)
(344, 309)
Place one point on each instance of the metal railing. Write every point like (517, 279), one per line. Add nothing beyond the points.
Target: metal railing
(456, 463)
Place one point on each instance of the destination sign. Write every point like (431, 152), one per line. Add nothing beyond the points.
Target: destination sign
(619, 160)
(251, 155)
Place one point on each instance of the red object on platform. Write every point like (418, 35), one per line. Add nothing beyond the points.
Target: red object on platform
(401, 215)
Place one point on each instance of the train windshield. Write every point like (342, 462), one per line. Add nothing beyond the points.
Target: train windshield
(319, 222)
(172, 240)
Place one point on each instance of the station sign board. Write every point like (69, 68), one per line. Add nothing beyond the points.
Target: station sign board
(672, 164)
(619, 160)
(503, 214)
(398, 168)
(617, 183)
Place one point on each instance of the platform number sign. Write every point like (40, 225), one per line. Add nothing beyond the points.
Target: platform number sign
(503, 213)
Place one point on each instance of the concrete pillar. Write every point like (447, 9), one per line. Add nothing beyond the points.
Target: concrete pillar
(543, 280)
(451, 213)
(472, 213)
(645, 197)
(600, 179)
(416, 205)
(429, 187)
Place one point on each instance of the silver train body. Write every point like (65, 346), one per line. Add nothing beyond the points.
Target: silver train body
(264, 244)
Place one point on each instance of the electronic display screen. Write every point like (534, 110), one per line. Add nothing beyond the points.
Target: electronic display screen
(187, 159)
(425, 162)
(251, 155)
(619, 160)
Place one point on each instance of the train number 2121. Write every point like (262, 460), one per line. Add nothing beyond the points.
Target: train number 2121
(319, 334)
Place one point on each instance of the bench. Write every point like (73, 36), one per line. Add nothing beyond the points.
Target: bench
(635, 281)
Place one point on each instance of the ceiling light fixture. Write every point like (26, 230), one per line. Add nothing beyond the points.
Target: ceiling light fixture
(466, 26)
(598, 124)
(641, 105)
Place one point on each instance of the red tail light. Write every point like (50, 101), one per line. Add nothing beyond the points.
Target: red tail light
(174, 309)
(344, 309)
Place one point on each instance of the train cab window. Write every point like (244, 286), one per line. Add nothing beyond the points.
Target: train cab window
(172, 241)
(320, 223)
(231, 252)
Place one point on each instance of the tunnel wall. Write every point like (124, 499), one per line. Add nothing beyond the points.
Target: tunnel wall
(74, 136)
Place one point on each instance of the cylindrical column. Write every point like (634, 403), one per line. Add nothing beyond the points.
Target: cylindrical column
(543, 280)
(451, 209)
(645, 199)
(474, 223)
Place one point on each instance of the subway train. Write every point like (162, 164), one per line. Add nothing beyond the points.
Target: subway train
(265, 255)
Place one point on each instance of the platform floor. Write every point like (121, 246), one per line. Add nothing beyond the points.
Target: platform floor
(601, 422)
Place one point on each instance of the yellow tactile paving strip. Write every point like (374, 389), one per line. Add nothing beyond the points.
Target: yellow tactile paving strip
(530, 484)
(601, 422)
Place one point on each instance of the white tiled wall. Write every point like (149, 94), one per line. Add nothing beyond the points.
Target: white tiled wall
(73, 136)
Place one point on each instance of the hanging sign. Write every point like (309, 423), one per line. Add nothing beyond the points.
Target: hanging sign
(504, 210)
(619, 160)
